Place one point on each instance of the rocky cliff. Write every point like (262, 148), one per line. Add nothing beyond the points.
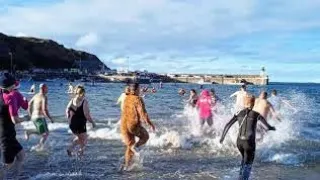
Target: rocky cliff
(29, 52)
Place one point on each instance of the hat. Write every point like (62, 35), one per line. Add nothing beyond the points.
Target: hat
(7, 81)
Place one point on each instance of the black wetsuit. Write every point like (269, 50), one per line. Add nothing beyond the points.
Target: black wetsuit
(246, 141)
(9, 145)
(78, 120)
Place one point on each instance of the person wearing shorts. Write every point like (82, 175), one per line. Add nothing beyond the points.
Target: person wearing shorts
(39, 104)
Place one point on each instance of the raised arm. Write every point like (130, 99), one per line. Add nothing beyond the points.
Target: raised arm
(143, 113)
(266, 124)
(44, 108)
(227, 127)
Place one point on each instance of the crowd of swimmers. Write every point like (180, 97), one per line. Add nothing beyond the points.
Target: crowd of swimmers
(249, 109)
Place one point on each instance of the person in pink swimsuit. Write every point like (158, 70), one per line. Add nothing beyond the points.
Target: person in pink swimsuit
(204, 105)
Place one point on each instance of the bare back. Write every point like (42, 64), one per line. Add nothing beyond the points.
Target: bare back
(262, 106)
(38, 103)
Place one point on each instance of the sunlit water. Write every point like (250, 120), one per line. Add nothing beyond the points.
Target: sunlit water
(177, 150)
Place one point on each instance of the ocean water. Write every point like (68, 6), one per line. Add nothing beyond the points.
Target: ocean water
(177, 150)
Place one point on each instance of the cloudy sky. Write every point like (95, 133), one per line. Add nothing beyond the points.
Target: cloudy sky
(177, 36)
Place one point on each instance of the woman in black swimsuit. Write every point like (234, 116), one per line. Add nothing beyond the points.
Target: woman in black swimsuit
(78, 113)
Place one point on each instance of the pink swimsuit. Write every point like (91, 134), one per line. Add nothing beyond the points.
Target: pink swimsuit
(204, 104)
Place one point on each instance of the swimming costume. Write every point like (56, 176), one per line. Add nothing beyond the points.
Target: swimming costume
(204, 105)
(9, 145)
(41, 125)
(78, 120)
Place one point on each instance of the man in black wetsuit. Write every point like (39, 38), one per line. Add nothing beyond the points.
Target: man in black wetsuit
(246, 141)
(12, 152)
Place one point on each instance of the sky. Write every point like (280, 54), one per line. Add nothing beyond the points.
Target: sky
(180, 36)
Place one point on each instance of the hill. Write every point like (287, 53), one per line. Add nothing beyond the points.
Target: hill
(29, 52)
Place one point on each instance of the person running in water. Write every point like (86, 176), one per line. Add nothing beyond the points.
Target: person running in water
(39, 113)
(264, 107)
(204, 105)
(123, 96)
(70, 88)
(12, 153)
(181, 92)
(133, 114)
(246, 141)
(239, 105)
(277, 101)
(214, 97)
(193, 98)
(78, 114)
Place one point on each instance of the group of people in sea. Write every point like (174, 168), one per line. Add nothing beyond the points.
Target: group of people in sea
(133, 114)
(248, 110)
(11, 100)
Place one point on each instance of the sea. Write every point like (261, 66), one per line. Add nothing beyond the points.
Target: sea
(178, 149)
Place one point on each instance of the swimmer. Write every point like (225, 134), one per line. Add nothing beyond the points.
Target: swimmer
(246, 141)
(153, 90)
(70, 88)
(193, 98)
(215, 99)
(33, 89)
(12, 153)
(38, 114)
(239, 105)
(277, 101)
(123, 96)
(263, 107)
(181, 92)
(204, 105)
(133, 114)
(78, 114)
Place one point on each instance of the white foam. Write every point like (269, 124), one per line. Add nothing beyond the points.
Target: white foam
(105, 133)
(28, 125)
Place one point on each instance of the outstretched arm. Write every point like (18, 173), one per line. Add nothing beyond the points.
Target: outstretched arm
(266, 123)
(274, 113)
(143, 113)
(227, 127)
(234, 94)
(288, 104)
